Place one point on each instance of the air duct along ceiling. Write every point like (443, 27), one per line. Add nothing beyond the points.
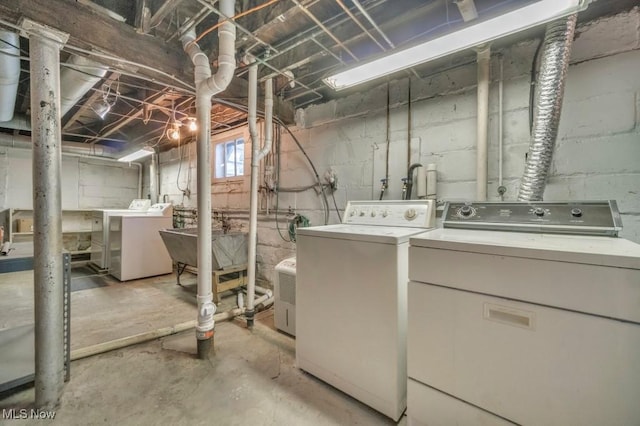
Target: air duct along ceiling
(76, 79)
(9, 73)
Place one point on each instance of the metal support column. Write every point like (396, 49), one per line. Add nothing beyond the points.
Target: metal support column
(44, 51)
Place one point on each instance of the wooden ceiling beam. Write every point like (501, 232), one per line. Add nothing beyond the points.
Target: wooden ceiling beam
(89, 29)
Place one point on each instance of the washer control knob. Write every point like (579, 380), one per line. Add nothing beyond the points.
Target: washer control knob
(576, 212)
(539, 211)
(362, 213)
(466, 211)
(385, 213)
(373, 213)
(410, 214)
(352, 213)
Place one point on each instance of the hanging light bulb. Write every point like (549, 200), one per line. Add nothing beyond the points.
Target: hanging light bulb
(174, 132)
(193, 124)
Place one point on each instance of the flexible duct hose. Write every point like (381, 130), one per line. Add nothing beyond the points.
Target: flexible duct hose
(558, 40)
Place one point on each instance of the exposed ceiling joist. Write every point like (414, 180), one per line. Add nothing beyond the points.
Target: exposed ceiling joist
(92, 30)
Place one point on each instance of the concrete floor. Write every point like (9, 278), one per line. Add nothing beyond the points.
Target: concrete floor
(250, 379)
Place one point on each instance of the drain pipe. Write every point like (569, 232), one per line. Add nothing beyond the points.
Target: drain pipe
(207, 86)
(256, 156)
(153, 178)
(558, 40)
(484, 54)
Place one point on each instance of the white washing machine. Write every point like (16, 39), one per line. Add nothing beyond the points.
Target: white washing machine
(540, 327)
(136, 247)
(351, 299)
(100, 230)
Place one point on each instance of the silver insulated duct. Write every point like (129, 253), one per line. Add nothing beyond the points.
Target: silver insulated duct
(558, 40)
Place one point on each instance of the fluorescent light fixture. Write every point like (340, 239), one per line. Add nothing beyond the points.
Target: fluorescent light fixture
(509, 23)
(141, 153)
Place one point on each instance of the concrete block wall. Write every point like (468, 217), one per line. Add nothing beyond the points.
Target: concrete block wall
(597, 153)
(86, 183)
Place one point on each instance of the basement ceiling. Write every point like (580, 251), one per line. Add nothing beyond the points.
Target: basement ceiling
(149, 80)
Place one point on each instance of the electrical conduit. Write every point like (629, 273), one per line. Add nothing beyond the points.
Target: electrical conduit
(207, 86)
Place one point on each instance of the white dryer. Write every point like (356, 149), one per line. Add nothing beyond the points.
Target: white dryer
(136, 248)
(100, 231)
(537, 328)
(352, 296)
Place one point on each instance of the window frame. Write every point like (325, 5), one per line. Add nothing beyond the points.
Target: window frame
(225, 138)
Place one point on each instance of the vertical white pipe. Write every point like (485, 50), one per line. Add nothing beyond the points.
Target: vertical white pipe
(253, 202)
(44, 66)
(257, 155)
(153, 178)
(484, 54)
(421, 190)
(500, 136)
(208, 85)
(432, 182)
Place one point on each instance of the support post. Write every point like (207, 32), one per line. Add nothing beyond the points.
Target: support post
(44, 51)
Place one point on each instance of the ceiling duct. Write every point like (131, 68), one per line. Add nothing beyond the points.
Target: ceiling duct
(9, 73)
(77, 78)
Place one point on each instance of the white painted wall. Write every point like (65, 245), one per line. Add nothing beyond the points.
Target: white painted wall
(597, 154)
(86, 183)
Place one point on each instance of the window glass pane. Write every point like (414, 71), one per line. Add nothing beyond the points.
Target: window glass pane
(220, 160)
(240, 157)
(230, 165)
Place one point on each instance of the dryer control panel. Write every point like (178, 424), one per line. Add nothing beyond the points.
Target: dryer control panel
(410, 213)
(570, 217)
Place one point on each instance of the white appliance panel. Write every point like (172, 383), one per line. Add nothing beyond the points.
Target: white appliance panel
(528, 363)
(137, 250)
(367, 233)
(442, 410)
(351, 322)
(612, 292)
(285, 296)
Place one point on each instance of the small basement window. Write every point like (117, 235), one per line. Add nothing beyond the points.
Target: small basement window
(229, 159)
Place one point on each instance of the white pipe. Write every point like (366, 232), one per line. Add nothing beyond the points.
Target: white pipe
(139, 178)
(153, 178)
(263, 290)
(158, 333)
(484, 55)
(421, 186)
(208, 85)
(432, 181)
(500, 136)
(9, 73)
(257, 155)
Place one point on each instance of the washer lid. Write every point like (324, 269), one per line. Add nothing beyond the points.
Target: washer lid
(366, 233)
(604, 251)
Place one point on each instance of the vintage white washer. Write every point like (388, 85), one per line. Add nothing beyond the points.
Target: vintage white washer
(352, 296)
(535, 328)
